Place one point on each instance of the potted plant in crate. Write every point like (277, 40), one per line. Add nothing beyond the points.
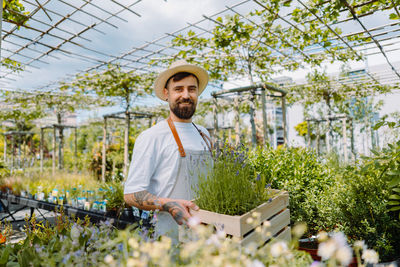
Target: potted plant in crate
(232, 192)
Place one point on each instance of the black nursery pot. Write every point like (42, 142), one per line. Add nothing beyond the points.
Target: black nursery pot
(111, 213)
(127, 214)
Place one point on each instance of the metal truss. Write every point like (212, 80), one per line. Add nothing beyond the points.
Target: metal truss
(383, 38)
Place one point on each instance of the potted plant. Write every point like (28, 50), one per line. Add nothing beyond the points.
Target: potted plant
(230, 194)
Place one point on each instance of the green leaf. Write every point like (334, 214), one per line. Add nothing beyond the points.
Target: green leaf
(5, 255)
(394, 208)
(394, 182)
(395, 197)
(393, 203)
(393, 16)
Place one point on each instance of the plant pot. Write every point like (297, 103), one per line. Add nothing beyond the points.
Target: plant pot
(275, 211)
(111, 213)
(127, 214)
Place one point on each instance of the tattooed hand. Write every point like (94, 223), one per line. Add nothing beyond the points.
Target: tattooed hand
(179, 209)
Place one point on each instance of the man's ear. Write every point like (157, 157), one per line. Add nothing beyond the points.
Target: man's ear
(165, 92)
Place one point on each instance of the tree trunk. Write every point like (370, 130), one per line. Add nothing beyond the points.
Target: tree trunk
(54, 150)
(103, 158)
(76, 148)
(60, 142)
(41, 148)
(5, 149)
(344, 129)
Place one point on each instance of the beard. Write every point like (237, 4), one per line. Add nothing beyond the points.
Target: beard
(185, 112)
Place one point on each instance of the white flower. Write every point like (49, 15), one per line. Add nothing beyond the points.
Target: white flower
(370, 256)
(108, 259)
(249, 220)
(340, 239)
(75, 233)
(214, 240)
(278, 249)
(256, 263)
(360, 244)
(221, 233)
(193, 221)
(344, 254)
(326, 249)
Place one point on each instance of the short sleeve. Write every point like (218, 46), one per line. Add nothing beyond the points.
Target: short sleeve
(142, 165)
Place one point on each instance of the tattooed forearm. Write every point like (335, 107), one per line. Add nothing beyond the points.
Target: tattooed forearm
(176, 210)
(143, 200)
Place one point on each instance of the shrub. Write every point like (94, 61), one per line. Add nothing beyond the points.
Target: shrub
(298, 171)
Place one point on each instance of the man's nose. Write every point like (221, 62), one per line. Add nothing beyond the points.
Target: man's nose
(185, 93)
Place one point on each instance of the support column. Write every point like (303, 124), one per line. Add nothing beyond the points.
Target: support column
(61, 148)
(41, 149)
(54, 150)
(215, 120)
(237, 121)
(103, 158)
(284, 122)
(252, 122)
(264, 116)
(344, 129)
(12, 150)
(353, 152)
(327, 136)
(150, 121)
(126, 144)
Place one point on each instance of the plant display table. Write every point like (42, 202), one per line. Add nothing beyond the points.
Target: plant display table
(275, 211)
(95, 216)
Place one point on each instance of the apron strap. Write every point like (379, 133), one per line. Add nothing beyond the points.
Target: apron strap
(176, 137)
(205, 137)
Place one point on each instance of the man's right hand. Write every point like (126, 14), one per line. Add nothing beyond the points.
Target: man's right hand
(179, 209)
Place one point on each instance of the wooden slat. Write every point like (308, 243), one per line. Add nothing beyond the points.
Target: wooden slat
(285, 235)
(237, 225)
(278, 223)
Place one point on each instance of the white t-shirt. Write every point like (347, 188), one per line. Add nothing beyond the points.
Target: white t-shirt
(155, 157)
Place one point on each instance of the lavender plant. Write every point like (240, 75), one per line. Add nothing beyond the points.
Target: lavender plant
(232, 187)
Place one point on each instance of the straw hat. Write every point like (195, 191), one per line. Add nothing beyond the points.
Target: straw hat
(180, 66)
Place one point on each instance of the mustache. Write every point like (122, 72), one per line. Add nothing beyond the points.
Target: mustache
(186, 101)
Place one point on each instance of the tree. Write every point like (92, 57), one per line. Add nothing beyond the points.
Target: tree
(119, 86)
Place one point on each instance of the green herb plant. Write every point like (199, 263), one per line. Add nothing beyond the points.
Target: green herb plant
(231, 187)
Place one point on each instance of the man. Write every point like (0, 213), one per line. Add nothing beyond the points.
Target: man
(169, 157)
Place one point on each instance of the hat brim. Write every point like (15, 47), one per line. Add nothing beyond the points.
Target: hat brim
(163, 77)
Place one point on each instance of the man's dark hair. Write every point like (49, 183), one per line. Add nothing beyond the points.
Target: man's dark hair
(180, 76)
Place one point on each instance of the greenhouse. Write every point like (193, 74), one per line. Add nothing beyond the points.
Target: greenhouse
(200, 133)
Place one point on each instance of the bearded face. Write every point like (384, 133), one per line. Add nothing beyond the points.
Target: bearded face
(182, 97)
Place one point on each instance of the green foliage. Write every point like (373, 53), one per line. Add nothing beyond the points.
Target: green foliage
(299, 172)
(114, 84)
(115, 195)
(231, 187)
(14, 12)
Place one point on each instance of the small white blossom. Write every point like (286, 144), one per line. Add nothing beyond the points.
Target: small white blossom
(360, 244)
(249, 220)
(278, 249)
(256, 263)
(108, 259)
(75, 233)
(370, 256)
(344, 254)
(193, 221)
(326, 249)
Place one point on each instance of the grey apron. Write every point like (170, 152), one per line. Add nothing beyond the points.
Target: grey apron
(192, 165)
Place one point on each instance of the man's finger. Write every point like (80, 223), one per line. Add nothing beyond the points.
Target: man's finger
(193, 206)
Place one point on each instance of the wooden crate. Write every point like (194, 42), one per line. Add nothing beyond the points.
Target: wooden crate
(275, 211)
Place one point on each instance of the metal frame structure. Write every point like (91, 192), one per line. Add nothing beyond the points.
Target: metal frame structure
(138, 58)
(252, 91)
(12, 134)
